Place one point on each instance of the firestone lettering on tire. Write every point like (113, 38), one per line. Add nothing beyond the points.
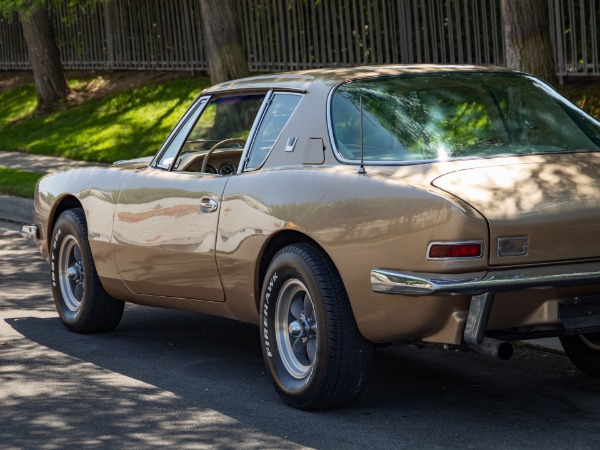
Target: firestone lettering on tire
(266, 314)
(310, 375)
(53, 262)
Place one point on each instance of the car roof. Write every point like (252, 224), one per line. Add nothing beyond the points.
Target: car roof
(329, 77)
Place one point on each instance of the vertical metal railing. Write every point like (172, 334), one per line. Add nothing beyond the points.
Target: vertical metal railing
(13, 54)
(339, 33)
(575, 36)
(299, 34)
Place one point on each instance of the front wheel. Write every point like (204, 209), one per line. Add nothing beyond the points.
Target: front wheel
(82, 303)
(584, 351)
(313, 350)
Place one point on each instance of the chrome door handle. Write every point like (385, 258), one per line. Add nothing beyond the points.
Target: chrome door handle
(208, 205)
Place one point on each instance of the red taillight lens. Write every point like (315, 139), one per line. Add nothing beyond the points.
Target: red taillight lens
(437, 251)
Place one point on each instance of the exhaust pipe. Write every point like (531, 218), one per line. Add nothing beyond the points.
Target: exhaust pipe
(494, 348)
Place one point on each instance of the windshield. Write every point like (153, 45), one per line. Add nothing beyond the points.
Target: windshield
(456, 115)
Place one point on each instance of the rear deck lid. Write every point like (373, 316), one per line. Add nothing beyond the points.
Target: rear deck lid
(553, 202)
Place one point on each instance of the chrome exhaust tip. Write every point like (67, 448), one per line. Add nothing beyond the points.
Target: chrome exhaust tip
(495, 348)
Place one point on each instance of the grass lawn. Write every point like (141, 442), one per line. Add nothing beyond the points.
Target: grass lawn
(17, 182)
(15, 104)
(120, 125)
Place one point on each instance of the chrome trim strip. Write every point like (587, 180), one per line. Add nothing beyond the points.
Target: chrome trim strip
(480, 242)
(255, 125)
(30, 232)
(418, 283)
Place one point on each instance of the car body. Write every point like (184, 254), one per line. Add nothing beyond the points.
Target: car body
(454, 205)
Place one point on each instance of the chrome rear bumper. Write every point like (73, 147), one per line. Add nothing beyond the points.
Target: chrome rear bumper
(482, 286)
(419, 283)
(30, 232)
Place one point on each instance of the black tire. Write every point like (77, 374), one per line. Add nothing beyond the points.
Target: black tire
(82, 303)
(302, 288)
(584, 351)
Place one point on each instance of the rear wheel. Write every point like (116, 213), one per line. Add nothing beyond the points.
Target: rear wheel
(313, 350)
(82, 303)
(584, 352)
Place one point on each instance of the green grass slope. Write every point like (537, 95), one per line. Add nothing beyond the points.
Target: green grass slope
(17, 182)
(122, 125)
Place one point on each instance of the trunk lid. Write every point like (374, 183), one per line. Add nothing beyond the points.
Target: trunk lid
(553, 201)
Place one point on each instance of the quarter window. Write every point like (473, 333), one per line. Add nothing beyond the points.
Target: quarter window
(277, 116)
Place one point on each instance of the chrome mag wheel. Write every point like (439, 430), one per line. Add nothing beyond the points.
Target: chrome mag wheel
(71, 274)
(296, 329)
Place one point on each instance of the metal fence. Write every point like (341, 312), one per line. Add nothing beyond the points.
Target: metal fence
(301, 34)
(125, 34)
(576, 37)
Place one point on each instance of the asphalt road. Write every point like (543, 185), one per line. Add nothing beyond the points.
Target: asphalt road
(173, 379)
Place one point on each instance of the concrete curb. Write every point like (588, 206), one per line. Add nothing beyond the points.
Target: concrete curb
(16, 209)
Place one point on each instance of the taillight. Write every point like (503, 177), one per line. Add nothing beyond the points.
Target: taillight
(455, 250)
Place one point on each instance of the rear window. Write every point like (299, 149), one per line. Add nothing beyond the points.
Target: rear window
(456, 115)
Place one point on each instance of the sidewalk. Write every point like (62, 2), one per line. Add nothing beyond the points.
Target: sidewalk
(17, 209)
(40, 163)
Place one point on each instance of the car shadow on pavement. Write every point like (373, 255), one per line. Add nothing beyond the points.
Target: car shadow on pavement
(160, 367)
(24, 275)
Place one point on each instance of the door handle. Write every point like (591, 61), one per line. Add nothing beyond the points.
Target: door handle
(208, 205)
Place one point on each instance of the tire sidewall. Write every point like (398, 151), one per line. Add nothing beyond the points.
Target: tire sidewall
(285, 267)
(585, 358)
(67, 226)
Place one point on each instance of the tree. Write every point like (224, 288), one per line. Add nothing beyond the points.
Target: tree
(223, 40)
(50, 83)
(527, 42)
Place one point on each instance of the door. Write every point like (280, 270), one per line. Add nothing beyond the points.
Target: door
(165, 224)
(164, 234)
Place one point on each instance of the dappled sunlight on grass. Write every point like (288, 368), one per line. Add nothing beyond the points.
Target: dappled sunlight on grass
(123, 125)
(16, 103)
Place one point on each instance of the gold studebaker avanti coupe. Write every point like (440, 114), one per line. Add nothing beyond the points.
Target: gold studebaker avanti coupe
(340, 208)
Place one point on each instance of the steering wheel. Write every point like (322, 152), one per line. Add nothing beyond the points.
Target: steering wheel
(220, 144)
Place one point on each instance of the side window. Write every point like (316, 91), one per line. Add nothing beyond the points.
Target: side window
(279, 112)
(216, 141)
(169, 155)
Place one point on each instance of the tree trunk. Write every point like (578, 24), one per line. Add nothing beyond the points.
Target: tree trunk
(223, 40)
(527, 42)
(50, 84)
